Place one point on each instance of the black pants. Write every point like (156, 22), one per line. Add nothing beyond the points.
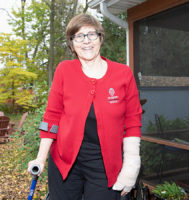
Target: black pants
(86, 180)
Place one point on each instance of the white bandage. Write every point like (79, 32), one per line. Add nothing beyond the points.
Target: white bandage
(131, 164)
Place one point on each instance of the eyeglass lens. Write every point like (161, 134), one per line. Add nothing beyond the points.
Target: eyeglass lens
(90, 36)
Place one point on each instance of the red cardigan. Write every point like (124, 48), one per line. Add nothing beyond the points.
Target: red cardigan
(116, 104)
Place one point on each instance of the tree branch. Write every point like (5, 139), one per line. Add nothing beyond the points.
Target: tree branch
(7, 13)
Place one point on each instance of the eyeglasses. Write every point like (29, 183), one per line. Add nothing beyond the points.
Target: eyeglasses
(81, 36)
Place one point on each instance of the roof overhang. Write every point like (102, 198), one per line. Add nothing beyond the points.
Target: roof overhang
(115, 6)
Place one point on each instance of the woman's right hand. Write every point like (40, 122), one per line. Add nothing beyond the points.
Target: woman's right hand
(36, 162)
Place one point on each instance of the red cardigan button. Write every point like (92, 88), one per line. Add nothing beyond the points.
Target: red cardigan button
(92, 92)
(93, 81)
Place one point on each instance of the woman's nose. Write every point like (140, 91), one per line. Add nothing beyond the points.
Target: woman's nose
(86, 39)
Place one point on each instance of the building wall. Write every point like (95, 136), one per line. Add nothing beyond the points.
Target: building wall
(172, 103)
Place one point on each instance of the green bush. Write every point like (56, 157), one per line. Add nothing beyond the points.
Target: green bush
(168, 124)
(31, 137)
(170, 191)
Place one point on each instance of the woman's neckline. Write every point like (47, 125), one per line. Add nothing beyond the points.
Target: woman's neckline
(91, 78)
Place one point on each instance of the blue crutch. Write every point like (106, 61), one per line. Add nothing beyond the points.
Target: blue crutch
(35, 170)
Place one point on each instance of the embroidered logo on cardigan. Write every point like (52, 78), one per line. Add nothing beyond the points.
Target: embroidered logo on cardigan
(112, 98)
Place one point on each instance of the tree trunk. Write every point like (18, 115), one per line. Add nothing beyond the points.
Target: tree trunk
(86, 6)
(51, 50)
(23, 23)
(23, 19)
(13, 97)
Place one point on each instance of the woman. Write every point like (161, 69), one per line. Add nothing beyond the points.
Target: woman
(91, 102)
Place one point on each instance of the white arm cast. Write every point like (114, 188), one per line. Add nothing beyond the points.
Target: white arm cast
(131, 164)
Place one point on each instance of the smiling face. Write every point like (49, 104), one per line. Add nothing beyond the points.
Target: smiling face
(87, 50)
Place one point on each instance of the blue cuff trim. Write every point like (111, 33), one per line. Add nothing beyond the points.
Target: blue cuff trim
(54, 129)
(43, 126)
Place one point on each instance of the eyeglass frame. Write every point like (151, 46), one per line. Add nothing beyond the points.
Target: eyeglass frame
(86, 35)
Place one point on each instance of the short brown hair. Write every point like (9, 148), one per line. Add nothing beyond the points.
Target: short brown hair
(77, 22)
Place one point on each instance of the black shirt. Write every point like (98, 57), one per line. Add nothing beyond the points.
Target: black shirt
(90, 149)
(90, 134)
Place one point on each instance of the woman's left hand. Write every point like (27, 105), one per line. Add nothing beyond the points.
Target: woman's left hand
(131, 164)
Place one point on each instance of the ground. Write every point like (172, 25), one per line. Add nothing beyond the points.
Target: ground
(14, 182)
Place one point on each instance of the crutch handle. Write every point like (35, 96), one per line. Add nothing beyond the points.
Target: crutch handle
(35, 170)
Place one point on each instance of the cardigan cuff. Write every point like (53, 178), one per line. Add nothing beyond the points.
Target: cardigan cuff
(54, 129)
(132, 132)
(47, 130)
(44, 127)
(44, 134)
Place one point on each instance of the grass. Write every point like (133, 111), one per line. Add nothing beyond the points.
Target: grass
(15, 181)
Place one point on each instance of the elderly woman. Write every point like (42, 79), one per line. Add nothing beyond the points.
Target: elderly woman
(92, 122)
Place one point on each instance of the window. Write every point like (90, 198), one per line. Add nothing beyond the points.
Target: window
(161, 48)
(161, 64)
